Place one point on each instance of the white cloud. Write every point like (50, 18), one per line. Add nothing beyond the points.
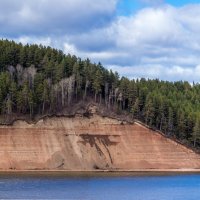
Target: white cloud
(70, 49)
(161, 43)
(174, 73)
(53, 16)
(97, 56)
(46, 41)
(148, 26)
(156, 42)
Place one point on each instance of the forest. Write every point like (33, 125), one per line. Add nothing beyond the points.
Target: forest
(38, 80)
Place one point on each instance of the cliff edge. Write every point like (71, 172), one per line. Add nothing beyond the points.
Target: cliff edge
(90, 143)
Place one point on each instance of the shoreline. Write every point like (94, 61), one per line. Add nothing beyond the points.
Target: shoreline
(97, 173)
(103, 170)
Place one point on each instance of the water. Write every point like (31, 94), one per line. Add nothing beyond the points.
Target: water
(173, 187)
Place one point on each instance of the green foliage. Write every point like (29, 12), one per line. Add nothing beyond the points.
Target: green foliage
(36, 80)
(196, 132)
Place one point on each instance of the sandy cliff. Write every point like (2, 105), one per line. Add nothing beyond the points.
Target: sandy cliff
(82, 143)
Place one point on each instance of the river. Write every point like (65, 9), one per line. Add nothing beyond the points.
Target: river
(123, 187)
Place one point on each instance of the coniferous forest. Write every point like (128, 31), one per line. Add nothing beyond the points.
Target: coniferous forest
(38, 80)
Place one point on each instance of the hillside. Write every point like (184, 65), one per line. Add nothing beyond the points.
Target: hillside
(95, 143)
(36, 81)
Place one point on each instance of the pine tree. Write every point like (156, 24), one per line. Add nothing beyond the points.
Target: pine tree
(135, 110)
(196, 132)
(149, 111)
(97, 84)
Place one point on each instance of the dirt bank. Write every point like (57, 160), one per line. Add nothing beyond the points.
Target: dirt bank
(95, 143)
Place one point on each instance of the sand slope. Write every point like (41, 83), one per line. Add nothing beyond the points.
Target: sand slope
(82, 143)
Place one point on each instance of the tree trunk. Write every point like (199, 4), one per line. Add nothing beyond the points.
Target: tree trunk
(194, 142)
(95, 97)
(76, 93)
(43, 107)
(63, 95)
(85, 93)
(100, 98)
(161, 124)
(123, 105)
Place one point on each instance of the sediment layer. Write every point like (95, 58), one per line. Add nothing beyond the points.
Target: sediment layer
(95, 143)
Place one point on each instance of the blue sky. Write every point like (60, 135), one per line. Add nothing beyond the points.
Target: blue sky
(138, 38)
(181, 2)
(127, 7)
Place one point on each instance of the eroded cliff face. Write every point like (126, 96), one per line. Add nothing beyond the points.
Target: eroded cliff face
(82, 143)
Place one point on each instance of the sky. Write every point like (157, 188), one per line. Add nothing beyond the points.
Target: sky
(137, 38)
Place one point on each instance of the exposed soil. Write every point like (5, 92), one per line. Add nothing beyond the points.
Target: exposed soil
(90, 143)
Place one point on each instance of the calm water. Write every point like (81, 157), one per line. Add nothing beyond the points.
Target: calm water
(101, 188)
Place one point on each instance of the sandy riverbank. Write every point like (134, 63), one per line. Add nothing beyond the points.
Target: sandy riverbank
(90, 144)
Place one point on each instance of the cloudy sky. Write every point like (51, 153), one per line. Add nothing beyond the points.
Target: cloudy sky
(138, 38)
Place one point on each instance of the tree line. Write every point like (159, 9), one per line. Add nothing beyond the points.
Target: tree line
(37, 80)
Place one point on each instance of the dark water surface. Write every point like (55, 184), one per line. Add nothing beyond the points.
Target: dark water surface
(127, 187)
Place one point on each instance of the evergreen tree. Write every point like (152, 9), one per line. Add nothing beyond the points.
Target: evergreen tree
(196, 132)
(37, 80)
(97, 83)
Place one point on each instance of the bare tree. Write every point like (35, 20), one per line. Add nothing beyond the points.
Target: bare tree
(19, 69)
(11, 71)
(29, 75)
